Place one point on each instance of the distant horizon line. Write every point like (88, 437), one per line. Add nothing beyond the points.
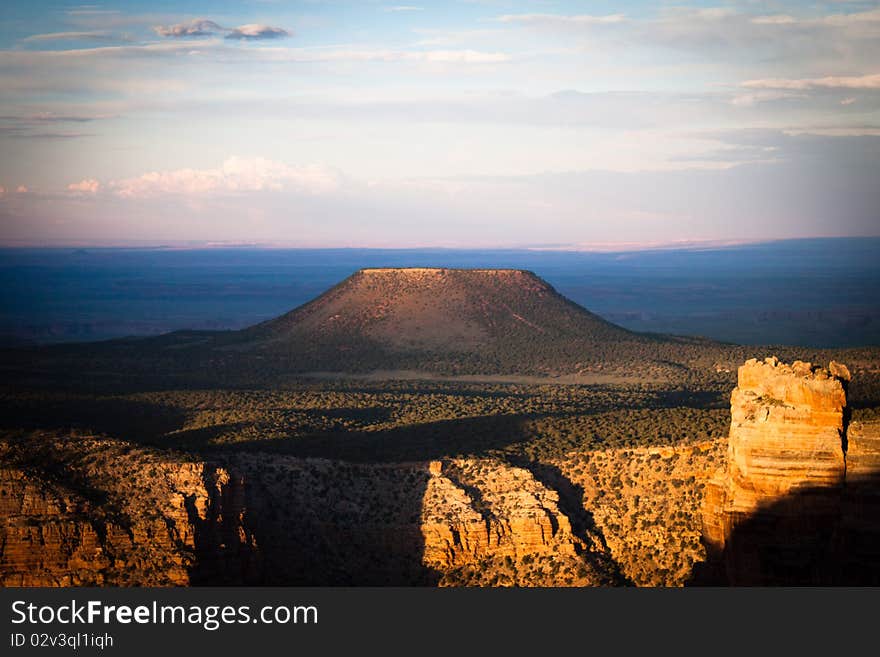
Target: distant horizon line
(575, 247)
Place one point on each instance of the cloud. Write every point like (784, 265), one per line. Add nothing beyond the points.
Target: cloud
(21, 189)
(87, 186)
(735, 36)
(52, 117)
(862, 18)
(201, 27)
(733, 155)
(59, 58)
(454, 57)
(402, 8)
(848, 101)
(255, 31)
(22, 122)
(778, 45)
(195, 28)
(835, 131)
(754, 98)
(235, 175)
(76, 36)
(42, 125)
(871, 81)
(89, 10)
(17, 134)
(560, 19)
(777, 19)
(383, 55)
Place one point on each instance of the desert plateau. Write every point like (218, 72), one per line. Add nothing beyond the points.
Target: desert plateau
(438, 427)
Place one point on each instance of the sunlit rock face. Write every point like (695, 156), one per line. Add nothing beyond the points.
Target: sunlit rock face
(796, 503)
(93, 511)
(167, 524)
(485, 522)
(786, 432)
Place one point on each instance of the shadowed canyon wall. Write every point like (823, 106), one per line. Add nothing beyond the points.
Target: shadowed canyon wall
(94, 511)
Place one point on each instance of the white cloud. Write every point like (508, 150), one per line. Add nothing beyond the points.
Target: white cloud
(235, 175)
(197, 27)
(757, 97)
(75, 36)
(201, 27)
(830, 82)
(402, 8)
(820, 131)
(87, 186)
(25, 58)
(714, 13)
(560, 19)
(854, 19)
(21, 189)
(777, 19)
(768, 41)
(52, 117)
(848, 101)
(90, 10)
(21, 124)
(382, 55)
(255, 31)
(456, 57)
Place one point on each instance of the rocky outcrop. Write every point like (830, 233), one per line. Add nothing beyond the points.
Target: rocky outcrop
(52, 536)
(799, 489)
(786, 432)
(507, 514)
(489, 523)
(131, 516)
(95, 512)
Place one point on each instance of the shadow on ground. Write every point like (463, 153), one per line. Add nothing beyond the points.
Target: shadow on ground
(813, 537)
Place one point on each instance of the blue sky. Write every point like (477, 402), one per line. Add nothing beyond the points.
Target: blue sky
(457, 123)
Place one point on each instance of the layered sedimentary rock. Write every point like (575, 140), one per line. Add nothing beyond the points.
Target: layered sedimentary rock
(93, 511)
(43, 541)
(485, 522)
(799, 488)
(53, 536)
(786, 432)
(509, 514)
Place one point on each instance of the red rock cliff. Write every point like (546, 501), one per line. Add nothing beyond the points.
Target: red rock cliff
(799, 488)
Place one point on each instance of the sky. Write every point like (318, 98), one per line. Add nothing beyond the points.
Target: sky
(462, 123)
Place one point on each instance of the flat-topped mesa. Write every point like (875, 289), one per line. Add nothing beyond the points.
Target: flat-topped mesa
(455, 321)
(416, 271)
(431, 276)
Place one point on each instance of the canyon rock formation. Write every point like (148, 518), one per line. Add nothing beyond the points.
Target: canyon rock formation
(95, 511)
(797, 502)
(485, 522)
(80, 521)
